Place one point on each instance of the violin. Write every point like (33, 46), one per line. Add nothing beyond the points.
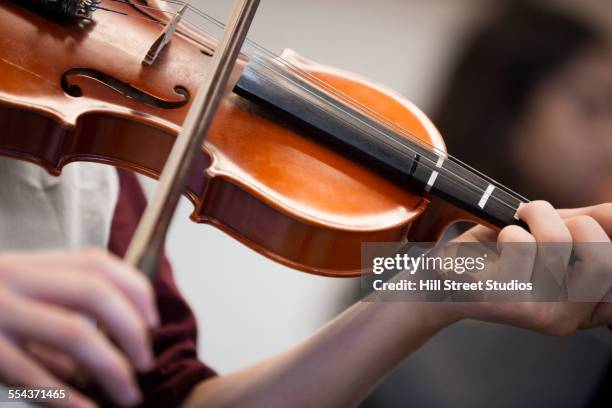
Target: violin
(303, 162)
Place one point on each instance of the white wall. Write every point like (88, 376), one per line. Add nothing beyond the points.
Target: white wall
(247, 306)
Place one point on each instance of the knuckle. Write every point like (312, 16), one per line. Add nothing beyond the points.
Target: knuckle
(514, 233)
(92, 253)
(96, 258)
(507, 234)
(582, 221)
(75, 331)
(572, 223)
(114, 367)
(94, 289)
(11, 264)
(516, 242)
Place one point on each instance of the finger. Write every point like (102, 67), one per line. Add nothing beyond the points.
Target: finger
(59, 364)
(590, 277)
(554, 246)
(18, 370)
(95, 297)
(130, 282)
(602, 213)
(545, 223)
(514, 234)
(479, 233)
(518, 253)
(65, 331)
(585, 228)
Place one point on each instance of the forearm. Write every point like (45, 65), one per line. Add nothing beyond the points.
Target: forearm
(338, 366)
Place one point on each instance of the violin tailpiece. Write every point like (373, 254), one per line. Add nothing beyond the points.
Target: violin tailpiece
(67, 8)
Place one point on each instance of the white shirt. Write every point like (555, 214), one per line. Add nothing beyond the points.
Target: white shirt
(39, 211)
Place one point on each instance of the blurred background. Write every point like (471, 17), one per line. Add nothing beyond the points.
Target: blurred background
(249, 308)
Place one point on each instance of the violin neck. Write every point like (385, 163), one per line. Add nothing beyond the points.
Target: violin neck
(403, 159)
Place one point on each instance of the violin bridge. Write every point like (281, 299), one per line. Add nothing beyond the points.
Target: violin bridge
(164, 38)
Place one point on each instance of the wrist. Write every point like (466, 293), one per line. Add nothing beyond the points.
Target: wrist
(437, 315)
(426, 318)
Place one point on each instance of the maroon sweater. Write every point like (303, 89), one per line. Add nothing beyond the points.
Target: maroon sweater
(177, 369)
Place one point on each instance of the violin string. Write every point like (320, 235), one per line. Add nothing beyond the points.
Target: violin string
(432, 163)
(399, 146)
(170, 13)
(332, 90)
(337, 93)
(312, 78)
(399, 129)
(402, 146)
(127, 14)
(98, 7)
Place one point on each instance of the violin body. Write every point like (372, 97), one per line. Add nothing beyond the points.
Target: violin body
(73, 92)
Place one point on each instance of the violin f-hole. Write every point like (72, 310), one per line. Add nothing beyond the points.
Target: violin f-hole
(123, 88)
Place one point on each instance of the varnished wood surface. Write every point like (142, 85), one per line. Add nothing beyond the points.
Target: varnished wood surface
(262, 180)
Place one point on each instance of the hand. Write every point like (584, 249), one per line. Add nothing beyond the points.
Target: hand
(47, 304)
(547, 225)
